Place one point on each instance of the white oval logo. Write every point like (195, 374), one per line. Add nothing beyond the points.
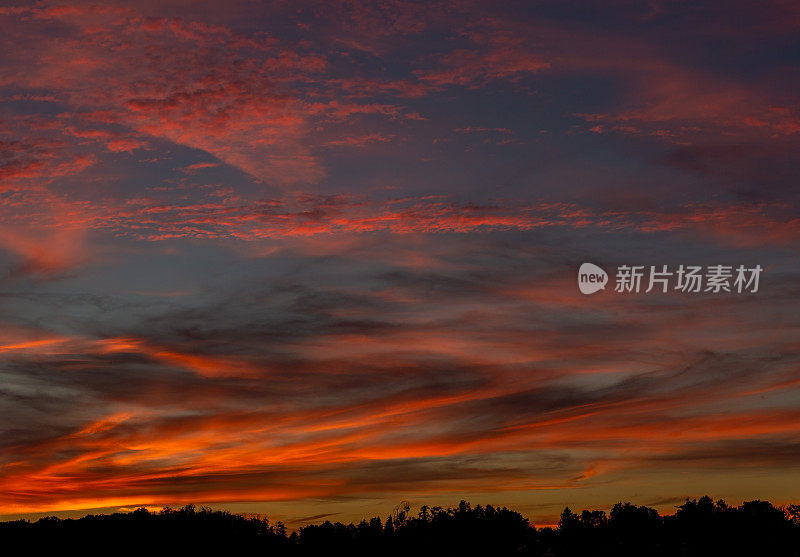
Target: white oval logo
(591, 278)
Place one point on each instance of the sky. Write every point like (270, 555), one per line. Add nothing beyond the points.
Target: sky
(314, 258)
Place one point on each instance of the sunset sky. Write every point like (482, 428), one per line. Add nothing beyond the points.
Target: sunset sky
(314, 258)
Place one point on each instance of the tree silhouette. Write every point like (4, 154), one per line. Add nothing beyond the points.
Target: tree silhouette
(699, 527)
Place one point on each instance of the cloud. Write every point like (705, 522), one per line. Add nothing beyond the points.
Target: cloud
(208, 94)
(307, 216)
(295, 390)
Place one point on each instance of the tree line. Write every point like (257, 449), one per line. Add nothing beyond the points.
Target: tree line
(699, 527)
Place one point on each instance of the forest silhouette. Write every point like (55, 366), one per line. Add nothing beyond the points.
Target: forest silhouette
(697, 528)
